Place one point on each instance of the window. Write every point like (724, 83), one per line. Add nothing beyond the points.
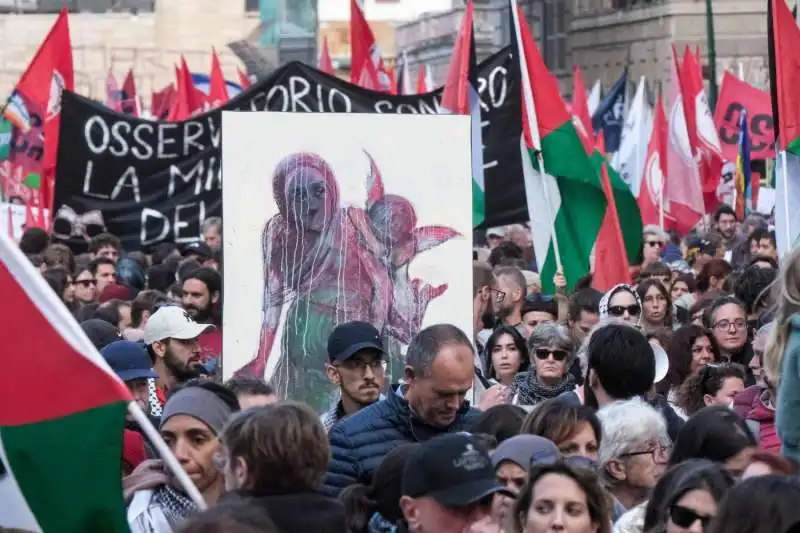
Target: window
(554, 34)
(252, 5)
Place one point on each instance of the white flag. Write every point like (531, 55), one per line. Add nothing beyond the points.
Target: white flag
(630, 159)
(594, 98)
(787, 193)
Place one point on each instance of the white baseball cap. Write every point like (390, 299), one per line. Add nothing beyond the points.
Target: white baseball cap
(172, 322)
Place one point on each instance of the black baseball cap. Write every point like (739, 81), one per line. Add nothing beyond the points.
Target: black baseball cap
(453, 469)
(198, 248)
(700, 245)
(100, 332)
(350, 338)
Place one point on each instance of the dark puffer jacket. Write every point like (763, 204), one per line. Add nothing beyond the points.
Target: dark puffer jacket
(361, 441)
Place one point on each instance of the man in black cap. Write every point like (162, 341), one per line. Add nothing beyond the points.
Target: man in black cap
(449, 485)
(356, 365)
(199, 251)
(700, 251)
(100, 332)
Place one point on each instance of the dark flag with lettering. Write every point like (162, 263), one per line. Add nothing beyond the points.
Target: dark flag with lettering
(150, 182)
(609, 117)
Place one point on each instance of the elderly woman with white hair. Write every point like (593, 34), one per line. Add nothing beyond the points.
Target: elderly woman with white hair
(552, 352)
(634, 451)
(654, 240)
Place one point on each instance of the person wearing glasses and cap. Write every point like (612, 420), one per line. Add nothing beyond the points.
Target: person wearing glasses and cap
(356, 365)
(449, 484)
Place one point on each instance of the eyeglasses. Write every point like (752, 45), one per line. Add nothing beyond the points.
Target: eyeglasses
(723, 325)
(499, 295)
(376, 365)
(543, 353)
(619, 310)
(659, 453)
(653, 244)
(685, 517)
(86, 283)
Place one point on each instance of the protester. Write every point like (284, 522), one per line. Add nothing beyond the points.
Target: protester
(104, 272)
(357, 366)
(658, 271)
(116, 312)
(61, 282)
(718, 434)
(584, 308)
(766, 463)
(439, 373)
(277, 457)
(199, 251)
(105, 245)
(726, 222)
(622, 302)
(699, 252)
(633, 452)
(85, 285)
(713, 276)
(142, 308)
(376, 508)
(100, 332)
(538, 309)
(728, 322)
(511, 462)
(690, 349)
(191, 422)
(653, 242)
(657, 305)
(765, 504)
(505, 355)
(575, 430)
(58, 255)
(202, 299)
(561, 497)
(212, 232)
(511, 283)
(552, 353)
(252, 392)
(233, 517)
(171, 337)
(767, 245)
(34, 241)
(681, 285)
(500, 421)
(716, 384)
(483, 296)
(448, 485)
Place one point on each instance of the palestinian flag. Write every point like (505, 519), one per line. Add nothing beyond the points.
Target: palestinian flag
(783, 37)
(62, 413)
(460, 96)
(571, 181)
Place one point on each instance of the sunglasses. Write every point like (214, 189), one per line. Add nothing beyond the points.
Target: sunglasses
(543, 353)
(86, 283)
(685, 517)
(653, 244)
(619, 310)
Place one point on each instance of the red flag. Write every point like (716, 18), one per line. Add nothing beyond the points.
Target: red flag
(580, 104)
(392, 80)
(34, 107)
(369, 77)
(112, 93)
(244, 81)
(424, 80)
(130, 100)
(683, 191)
(786, 68)
(736, 95)
(10, 222)
(161, 102)
(455, 97)
(325, 61)
(364, 50)
(218, 90)
(707, 148)
(188, 100)
(610, 258)
(655, 170)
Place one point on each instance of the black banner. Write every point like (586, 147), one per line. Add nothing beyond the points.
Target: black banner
(157, 181)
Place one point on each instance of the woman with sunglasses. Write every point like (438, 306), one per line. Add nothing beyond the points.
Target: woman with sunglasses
(85, 285)
(685, 499)
(622, 302)
(552, 352)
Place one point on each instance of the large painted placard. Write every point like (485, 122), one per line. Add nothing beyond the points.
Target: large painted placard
(340, 217)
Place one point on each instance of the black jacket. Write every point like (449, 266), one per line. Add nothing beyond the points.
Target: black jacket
(301, 512)
(361, 441)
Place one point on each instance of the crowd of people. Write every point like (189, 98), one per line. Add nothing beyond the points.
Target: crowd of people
(669, 405)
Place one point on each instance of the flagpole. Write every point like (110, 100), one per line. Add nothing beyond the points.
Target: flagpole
(785, 177)
(166, 455)
(530, 111)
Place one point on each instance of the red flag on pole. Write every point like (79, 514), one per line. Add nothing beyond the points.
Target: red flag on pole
(130, 100)
(655, 172)
(424, 80)
(364, 50)
(325, 61)
(188, 99)
(244, 81)
(161, 102)
(610, 258)
(218, 90)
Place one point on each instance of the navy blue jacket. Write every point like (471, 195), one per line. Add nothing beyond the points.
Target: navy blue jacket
(360, 441)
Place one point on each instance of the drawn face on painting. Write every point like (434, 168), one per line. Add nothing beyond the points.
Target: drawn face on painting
(309, 192)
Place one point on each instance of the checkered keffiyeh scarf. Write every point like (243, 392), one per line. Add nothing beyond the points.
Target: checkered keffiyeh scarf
(604, 301)
(152, 396)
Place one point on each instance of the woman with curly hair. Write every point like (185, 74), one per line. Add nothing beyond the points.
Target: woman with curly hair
(716, 384)
(690, 349)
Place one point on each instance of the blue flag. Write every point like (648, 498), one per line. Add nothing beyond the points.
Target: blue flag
(610, 115)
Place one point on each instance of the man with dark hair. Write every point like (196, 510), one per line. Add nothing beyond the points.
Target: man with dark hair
(34, 241)
(510, 282)
(538, 309)
(767, 245)
(725, 223)
(357, 366)
(439, 372)
(104, 271)
(199, 251)
(115, 312)
(143, 306)
(58, 255)
(164, 251)
(752, 288)
(252, 392)
(202, 299)
(505, 250)
(584, 309)
(105, 245)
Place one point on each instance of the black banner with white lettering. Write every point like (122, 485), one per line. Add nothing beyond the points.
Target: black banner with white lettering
(149, 182)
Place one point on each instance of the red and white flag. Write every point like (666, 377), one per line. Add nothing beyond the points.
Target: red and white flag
(365, 52)
(655, 171)
(424, 80)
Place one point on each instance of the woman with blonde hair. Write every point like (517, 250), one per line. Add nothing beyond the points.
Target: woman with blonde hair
(782, 354)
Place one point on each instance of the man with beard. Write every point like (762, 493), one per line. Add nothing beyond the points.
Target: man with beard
(357, 366)
(171, 337)
(202, 292)
(510, 283)
(725, 222)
